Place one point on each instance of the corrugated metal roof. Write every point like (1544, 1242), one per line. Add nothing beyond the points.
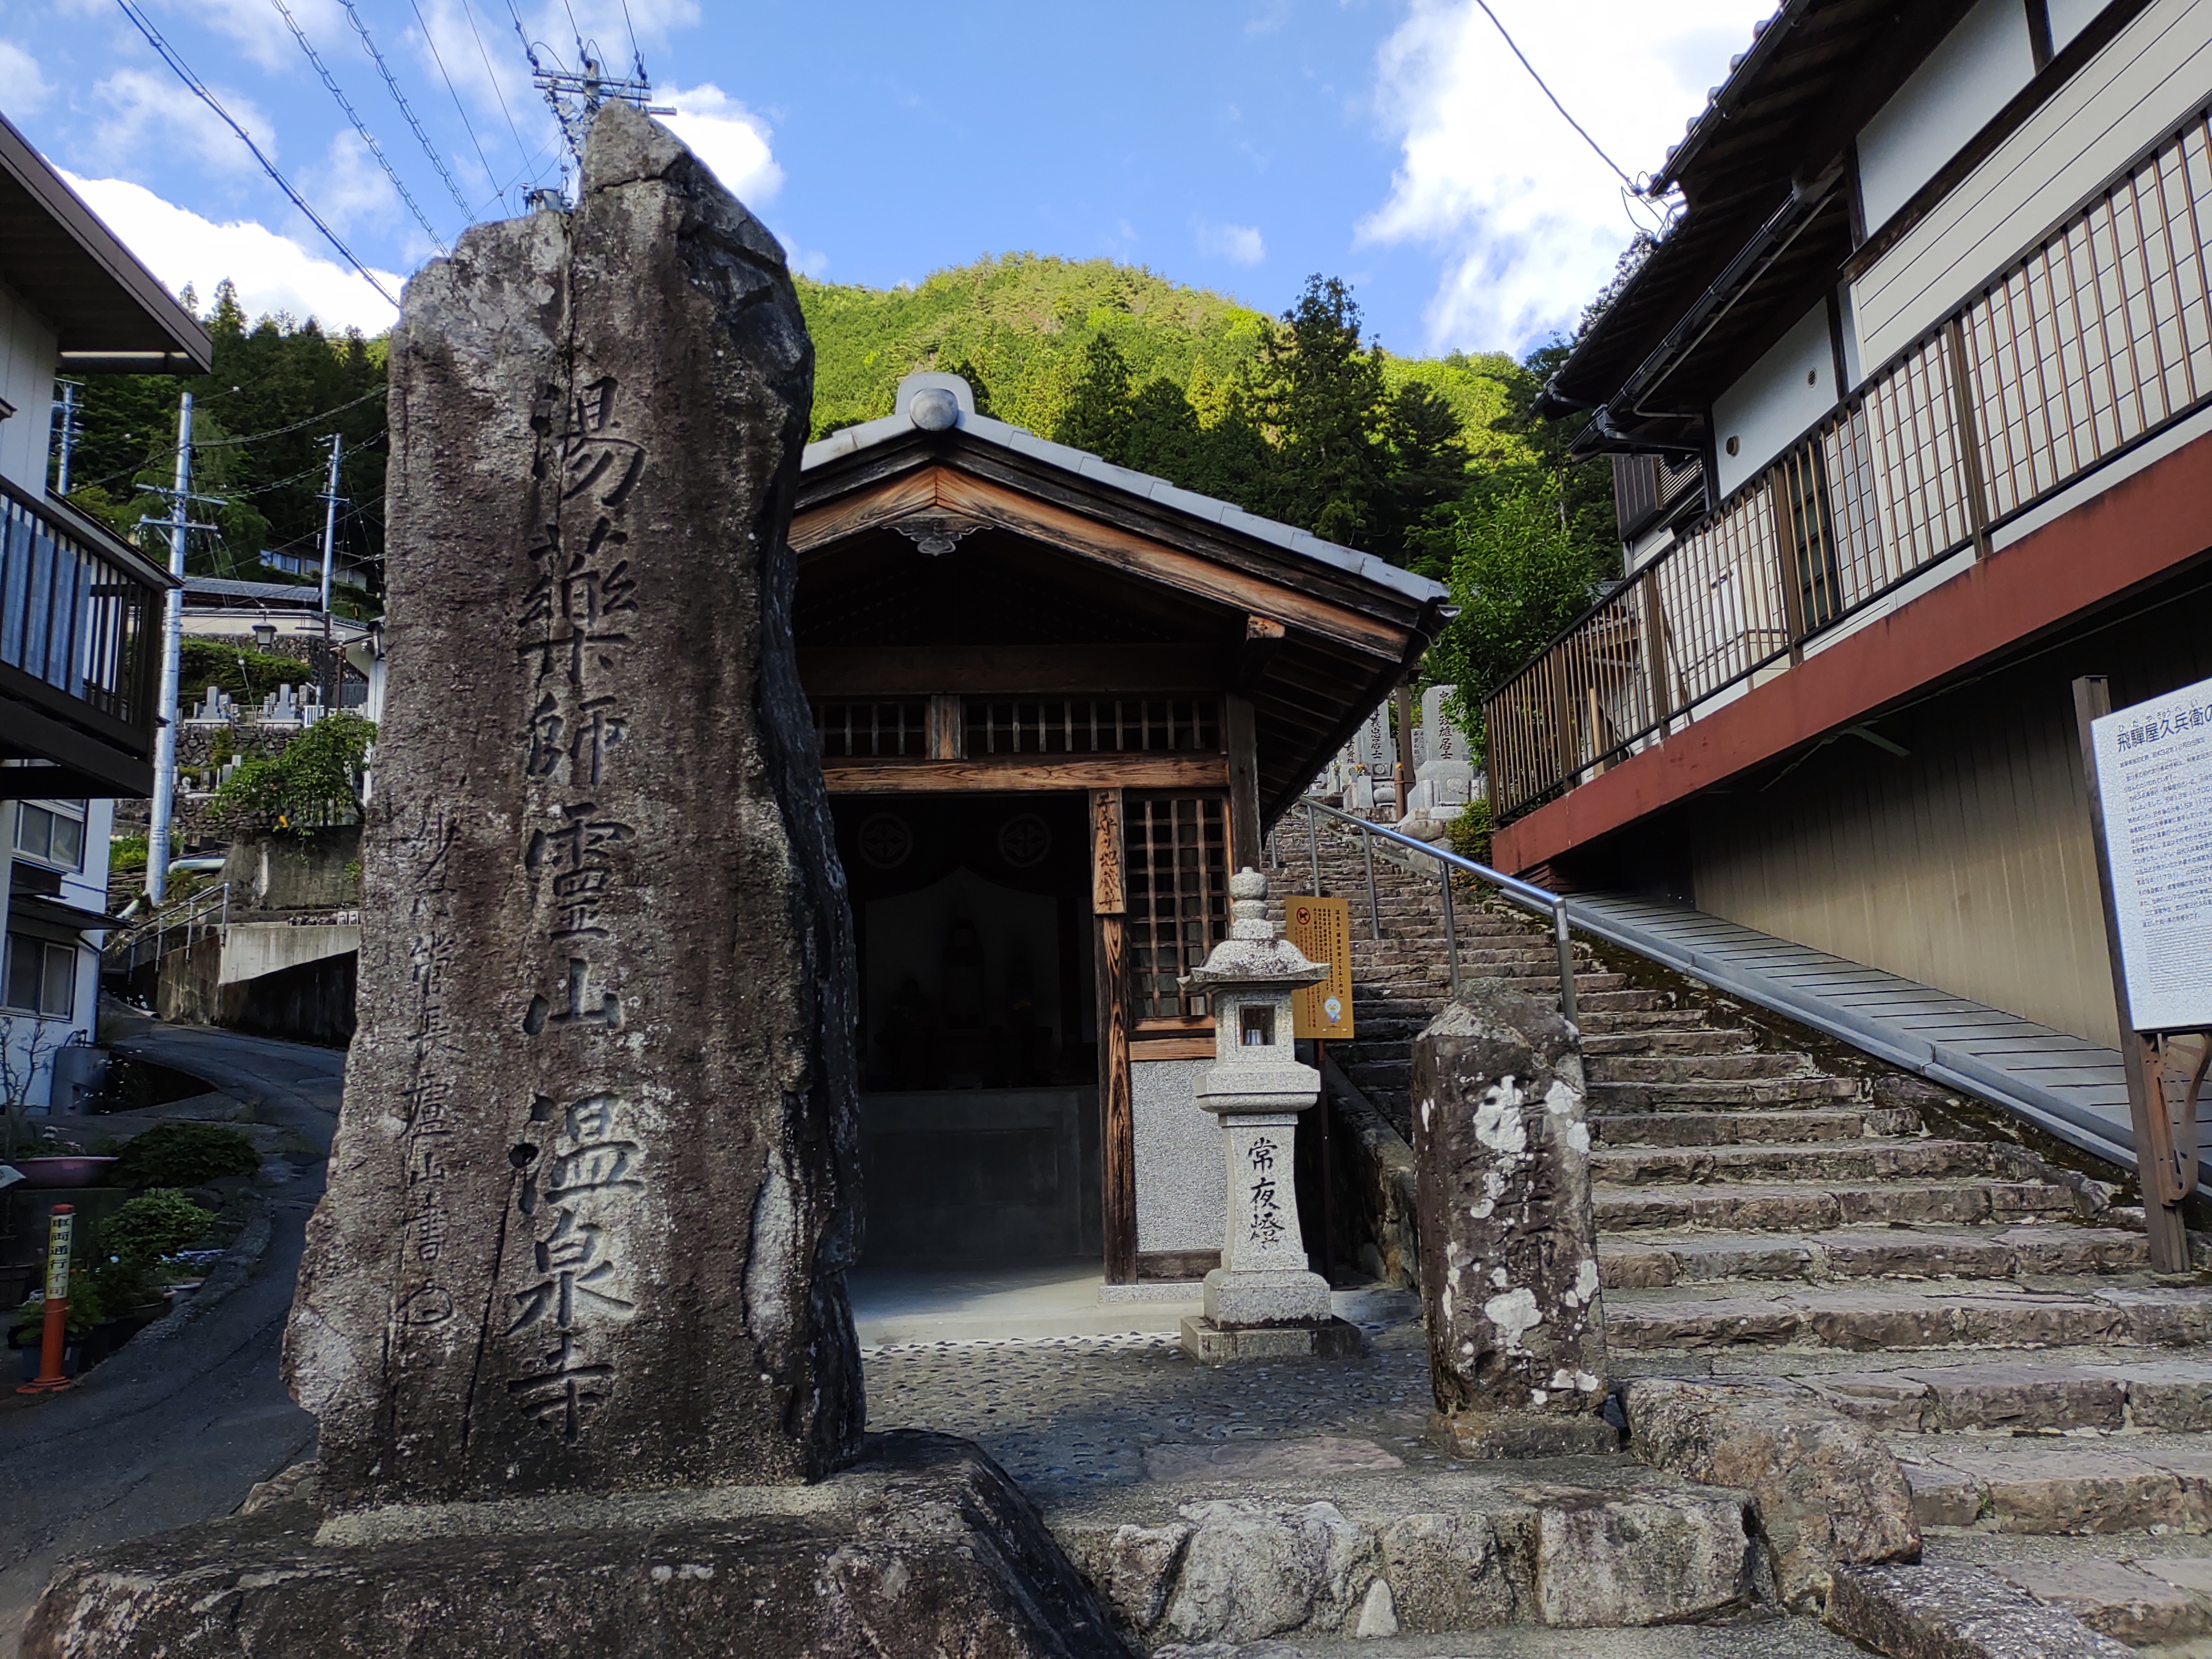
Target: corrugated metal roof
(306, 595)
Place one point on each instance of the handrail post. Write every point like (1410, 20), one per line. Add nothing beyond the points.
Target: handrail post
(1566, 961)
(1451, 924)
(1313, 847)
(1374, 913)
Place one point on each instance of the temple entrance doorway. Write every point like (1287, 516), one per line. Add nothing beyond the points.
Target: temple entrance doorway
(978, 1031)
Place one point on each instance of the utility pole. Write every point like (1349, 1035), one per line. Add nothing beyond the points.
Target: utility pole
(68, 433)
(330, 676)
(172, 628)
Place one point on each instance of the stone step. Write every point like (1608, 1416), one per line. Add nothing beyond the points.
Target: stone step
(2040, 1486)
(1641, 1261)
(1725, 1091)
(2020, 1396)
(1823, 1160)
(1809, 1207)
(1696, 1068)
(1895, 1318)
(1657, 1012)
(1735, 1128)
(1663, 1040)
(2146, 1594)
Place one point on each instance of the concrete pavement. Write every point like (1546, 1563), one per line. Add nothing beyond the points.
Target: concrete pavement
(169, 1433)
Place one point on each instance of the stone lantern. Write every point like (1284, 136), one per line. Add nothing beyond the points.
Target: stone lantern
(1263, 1302)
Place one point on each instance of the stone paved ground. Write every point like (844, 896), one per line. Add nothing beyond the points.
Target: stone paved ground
(1069, 1419)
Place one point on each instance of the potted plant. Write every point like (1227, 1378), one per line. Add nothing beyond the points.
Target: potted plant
(118, 1291)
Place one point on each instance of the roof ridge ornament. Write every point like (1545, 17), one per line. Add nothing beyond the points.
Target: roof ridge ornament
(936, 533)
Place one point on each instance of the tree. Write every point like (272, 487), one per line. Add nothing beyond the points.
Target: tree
(1096, 415)
(294, 789)
(1323, 396)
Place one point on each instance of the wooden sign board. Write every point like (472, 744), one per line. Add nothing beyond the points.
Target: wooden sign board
(2154, 779)
(1322, 927)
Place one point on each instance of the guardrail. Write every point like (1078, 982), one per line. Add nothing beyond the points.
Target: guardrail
(1526, 894)
(188, 917)
(2095, 341)
(80, 613)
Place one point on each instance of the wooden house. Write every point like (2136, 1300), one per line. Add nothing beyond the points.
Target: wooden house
(1058, 704)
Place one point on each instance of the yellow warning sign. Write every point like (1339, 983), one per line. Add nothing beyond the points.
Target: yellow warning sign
(1322, 927)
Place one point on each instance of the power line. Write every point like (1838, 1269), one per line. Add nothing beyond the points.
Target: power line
(459, 108)
(156, 458)
(407, 109)
(199, 90)
(358, 125)
(1553, 97)
(492, 75)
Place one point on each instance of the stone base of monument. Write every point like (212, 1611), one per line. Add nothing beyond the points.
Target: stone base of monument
(1488, 1436)
(923, 1547)
(1213, 1344)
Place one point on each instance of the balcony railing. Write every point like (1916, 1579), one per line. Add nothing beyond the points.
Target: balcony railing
(80, 619)
(2095, 342)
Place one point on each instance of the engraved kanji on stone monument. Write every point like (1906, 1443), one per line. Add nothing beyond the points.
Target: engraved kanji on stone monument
(587, 1216)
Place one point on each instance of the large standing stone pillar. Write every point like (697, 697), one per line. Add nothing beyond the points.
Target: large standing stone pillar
(588, 1210)
(1509, 1244)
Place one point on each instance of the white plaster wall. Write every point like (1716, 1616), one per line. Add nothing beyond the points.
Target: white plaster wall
(1182, 1181)
(1647, 547)
(1964, 82)
(28, 352)
(1778, 397)
(2069, 17)
(2136, 91)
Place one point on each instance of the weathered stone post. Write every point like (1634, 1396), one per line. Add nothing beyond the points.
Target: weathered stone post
(1509, 1245)
(573, 1312)
(1263, 1302)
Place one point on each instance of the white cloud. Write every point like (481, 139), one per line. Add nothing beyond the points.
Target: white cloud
(144, 113)
(350, 189)
(728, 137)
(1528, 221)
(272, 272)
(263, 36)
(1242, 243)
(23, 90)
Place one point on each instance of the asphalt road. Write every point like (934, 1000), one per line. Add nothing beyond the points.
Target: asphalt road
(165, 1435)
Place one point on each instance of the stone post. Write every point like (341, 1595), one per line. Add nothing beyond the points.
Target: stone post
(1263, 1302)
(589, 1203)
(1509, 1244)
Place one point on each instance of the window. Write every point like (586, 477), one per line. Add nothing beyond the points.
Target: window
(1091, 728)
(53, 834)
(41, 976)
(851, 730)
(1177, 853)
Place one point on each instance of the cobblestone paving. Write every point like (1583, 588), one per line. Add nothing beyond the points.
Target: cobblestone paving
(1070, 1418)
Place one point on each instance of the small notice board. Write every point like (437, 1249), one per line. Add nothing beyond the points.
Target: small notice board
(1322, 927)
(2155, 778)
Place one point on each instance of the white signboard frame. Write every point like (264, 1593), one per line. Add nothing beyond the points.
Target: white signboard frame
(2154, 782)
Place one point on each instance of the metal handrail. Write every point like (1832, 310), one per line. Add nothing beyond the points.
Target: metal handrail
(185, 916)
(1526, 894)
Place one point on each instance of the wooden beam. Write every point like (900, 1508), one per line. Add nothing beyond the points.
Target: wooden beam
(1016, 773)
(871, 509)
(1263, 638)
(1242, 729)
(1044, 671)
(1117, 1123)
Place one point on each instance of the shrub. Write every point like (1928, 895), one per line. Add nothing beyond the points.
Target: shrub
(153, 1225)
(1469, 835)
(184, 1155)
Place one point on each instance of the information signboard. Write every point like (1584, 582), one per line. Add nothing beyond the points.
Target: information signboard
(1322, 927)
(2155, 778)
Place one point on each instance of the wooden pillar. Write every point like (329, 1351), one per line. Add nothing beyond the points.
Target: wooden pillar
(1241, 728)
(2156, 1165)
(1117, 1124)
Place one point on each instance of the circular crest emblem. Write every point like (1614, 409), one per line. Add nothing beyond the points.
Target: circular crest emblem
(1025, 840)
(886, 842)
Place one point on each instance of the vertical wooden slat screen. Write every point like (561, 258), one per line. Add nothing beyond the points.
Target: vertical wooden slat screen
(1176, 853)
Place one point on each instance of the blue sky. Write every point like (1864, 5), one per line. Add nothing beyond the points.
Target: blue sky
(1235, 144)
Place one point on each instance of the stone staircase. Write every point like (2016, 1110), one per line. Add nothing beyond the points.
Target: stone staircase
(1767, 1210)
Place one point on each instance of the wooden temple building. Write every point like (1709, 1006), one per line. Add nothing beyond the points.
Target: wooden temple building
(1058, 704)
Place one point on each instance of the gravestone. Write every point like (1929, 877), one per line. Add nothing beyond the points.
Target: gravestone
(1508, 1237)
(572, 1313)
(1445, 780)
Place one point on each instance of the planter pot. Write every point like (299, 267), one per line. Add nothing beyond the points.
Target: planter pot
(51, 1172)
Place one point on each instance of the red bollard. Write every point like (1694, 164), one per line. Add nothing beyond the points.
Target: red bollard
(55, 1337)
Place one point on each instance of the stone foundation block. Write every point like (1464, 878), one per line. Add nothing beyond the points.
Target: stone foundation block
(1956, 1613)
(924, 1548)
(1230, 1345)
(1605, 1559)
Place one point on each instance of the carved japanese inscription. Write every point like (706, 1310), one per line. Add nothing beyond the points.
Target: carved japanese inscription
(590, 1206)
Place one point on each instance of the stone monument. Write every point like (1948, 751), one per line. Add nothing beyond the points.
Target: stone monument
(1508, 1239)
(572, 1313)
(1263, 1302)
